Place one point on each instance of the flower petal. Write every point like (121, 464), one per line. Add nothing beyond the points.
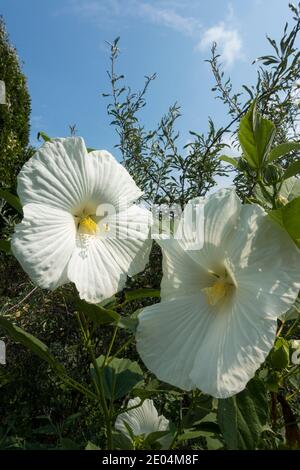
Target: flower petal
(182, 275)
(43, 243)
(236, 344)
(142, 420)
(110, 182)
(100, 264)
(56, 175)
(169, 335)
(265, 261)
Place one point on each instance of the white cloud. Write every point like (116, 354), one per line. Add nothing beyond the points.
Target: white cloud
(170, 18)
(228, 39)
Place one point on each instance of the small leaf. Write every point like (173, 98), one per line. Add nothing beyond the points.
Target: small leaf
(233, 161)
(279, 356)
(12, 200)
(44, 136)
(97, 314)
(119, 377)
(283, 149)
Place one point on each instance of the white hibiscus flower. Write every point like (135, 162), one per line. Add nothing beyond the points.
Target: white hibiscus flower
(80, 223)
(142, 421)
(216, 322)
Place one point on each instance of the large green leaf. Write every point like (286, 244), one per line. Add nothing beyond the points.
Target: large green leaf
(292, 170)
(256, 136)
(119, 377)
(242, 417)
(283, 149)
(99, 315)
(32, 343)
(12, 200)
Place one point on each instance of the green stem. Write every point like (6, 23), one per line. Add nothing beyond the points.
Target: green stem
(83, 324)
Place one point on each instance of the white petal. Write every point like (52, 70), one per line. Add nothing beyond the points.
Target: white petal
(56, 175)
(216, 218)
(43, 243)
(236, 344)
(142, 420)
(99, 266)
(265, 261)
(182, 275)
(169, 336)
(109, 182)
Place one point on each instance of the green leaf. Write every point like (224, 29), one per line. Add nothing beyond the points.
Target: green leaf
(119, 377)
(190, 435)
(292, 170)
(283, 149)
(155, 436)
(91, 446)
(97, 314)
(5, 246)
(233, 161)
(121, 442)
(291, 218)
(141, 294)
(32, 343)
(44, 136)
(12, 200)
(290, 188)
(279, 356)
(68, 444)
(202, 406)
(256, 136)
(242, 417)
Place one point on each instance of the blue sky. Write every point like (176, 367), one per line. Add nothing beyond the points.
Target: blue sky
(62, 45)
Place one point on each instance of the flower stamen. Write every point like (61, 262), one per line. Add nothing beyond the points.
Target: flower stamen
(87, 226)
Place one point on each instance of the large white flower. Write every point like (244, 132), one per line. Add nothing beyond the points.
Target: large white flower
(80, 223)
(142, 420)
(216, 322)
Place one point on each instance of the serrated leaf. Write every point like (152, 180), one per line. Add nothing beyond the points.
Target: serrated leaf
(242, 417)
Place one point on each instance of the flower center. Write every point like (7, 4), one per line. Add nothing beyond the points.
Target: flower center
(219, 290)
(87, 226)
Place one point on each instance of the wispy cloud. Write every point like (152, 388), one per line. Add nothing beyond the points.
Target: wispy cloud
(169, 18)
(169, 14)
(228, 39)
